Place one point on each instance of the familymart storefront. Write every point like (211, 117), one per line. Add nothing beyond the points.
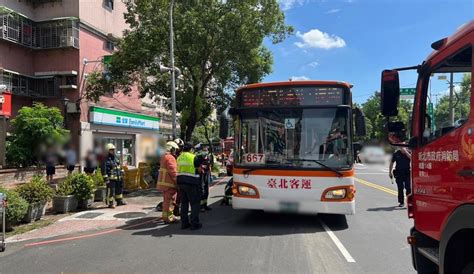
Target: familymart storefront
(134, 135)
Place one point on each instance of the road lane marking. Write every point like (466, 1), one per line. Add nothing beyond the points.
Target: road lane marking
(377, 186)
(108, 231)
(338, 243)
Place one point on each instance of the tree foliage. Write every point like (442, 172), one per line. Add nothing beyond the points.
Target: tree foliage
(206, 132)
(34, 129)
(461, 104)
(376, 122)
(218, 46)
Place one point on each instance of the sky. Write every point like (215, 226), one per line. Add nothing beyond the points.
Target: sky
(354, 40)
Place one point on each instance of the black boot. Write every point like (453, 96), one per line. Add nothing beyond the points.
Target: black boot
(121, 202)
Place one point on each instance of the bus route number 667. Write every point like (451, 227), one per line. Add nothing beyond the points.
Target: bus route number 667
(254, 158)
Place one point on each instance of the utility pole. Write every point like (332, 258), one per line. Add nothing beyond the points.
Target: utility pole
(173, 85)
(3, 137)
(451, 95)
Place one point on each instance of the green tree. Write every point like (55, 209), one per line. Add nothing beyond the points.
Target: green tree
(33, 129)
(219, 45)
(376, 122)
(462, 104)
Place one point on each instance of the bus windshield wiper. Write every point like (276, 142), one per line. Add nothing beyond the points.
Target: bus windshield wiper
(319, 163)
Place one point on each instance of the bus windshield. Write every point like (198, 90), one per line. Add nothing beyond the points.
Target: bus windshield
(295, 137)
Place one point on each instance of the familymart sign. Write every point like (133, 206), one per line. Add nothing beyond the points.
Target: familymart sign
(112, 117)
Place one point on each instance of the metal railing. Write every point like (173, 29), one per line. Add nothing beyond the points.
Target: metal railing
(41, 35)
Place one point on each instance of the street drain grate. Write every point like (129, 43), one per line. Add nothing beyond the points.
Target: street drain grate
(89, 215)
(129, 215)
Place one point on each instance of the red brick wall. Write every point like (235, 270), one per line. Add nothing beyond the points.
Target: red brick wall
(66, 59)
(17, 58)
(93, 48)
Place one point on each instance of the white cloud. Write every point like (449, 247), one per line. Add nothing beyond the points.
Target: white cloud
(313, 64)
(289, 4)
(299, 78)
(318, 39)
(333, 11)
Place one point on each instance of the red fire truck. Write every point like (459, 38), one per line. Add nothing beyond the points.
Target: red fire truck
(442, 144)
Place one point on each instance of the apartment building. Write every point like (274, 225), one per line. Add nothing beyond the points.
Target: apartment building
(47, 49)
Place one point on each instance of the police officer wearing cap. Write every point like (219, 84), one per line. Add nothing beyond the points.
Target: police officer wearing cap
(401, 158)
(189, 187)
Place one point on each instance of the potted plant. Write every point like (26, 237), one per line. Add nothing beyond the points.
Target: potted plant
(37, 193)
(84, 189)
(64, 201)
(17, 208)
(101, 190)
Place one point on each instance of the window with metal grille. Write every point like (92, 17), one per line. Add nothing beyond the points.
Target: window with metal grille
(109, 45)
(29, 86)
(52, 34)
(109, 4)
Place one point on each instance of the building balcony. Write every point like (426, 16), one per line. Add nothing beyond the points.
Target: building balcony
(59, 33)
(42, 85)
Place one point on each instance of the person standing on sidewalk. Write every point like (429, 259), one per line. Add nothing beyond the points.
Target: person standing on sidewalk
(401, 157)
(113, 177)
(188, 184)
(167, 181)
(205, 158)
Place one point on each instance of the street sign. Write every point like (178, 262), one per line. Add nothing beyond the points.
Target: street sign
(107, 59)
(431, 114)
(407, 93)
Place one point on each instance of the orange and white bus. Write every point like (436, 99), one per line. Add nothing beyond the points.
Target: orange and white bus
(293, 145)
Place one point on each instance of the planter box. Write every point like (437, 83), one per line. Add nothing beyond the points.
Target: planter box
(35, 212)
(100, 194)
(64, 204)
(85, 204)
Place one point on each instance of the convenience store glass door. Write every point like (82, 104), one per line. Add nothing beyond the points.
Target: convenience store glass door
(124, 148)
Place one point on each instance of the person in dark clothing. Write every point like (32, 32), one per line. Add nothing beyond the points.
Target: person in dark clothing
(206, 159)
(113, 176)
(90, 163)
(189, 168)
(401, 158)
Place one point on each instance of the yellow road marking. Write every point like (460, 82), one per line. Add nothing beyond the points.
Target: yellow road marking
(379, 187)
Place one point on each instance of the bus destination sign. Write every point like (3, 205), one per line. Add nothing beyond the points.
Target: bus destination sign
(294, 96)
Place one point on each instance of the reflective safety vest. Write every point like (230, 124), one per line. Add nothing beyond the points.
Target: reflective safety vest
(186, 165)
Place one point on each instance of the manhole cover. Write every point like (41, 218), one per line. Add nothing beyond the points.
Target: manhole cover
(89, 215)
(129, 215)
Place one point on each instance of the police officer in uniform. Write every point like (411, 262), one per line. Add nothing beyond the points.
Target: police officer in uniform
(401, 157)
(189, 188)
(113, 177)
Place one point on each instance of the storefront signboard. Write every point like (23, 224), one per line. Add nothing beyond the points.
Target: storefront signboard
(112, 117)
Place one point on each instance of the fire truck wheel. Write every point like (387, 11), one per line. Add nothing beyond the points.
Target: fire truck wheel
(468, 269)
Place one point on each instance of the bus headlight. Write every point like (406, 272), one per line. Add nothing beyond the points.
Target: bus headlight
(336, 194)
(247, 191)
(339, 194)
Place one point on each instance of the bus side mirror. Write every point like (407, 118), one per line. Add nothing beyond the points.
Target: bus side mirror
(390, 93)
(360, 127)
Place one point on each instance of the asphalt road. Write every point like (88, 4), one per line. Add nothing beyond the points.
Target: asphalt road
(372, 241)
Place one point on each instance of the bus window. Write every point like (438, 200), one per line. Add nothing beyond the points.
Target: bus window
(297, 137)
